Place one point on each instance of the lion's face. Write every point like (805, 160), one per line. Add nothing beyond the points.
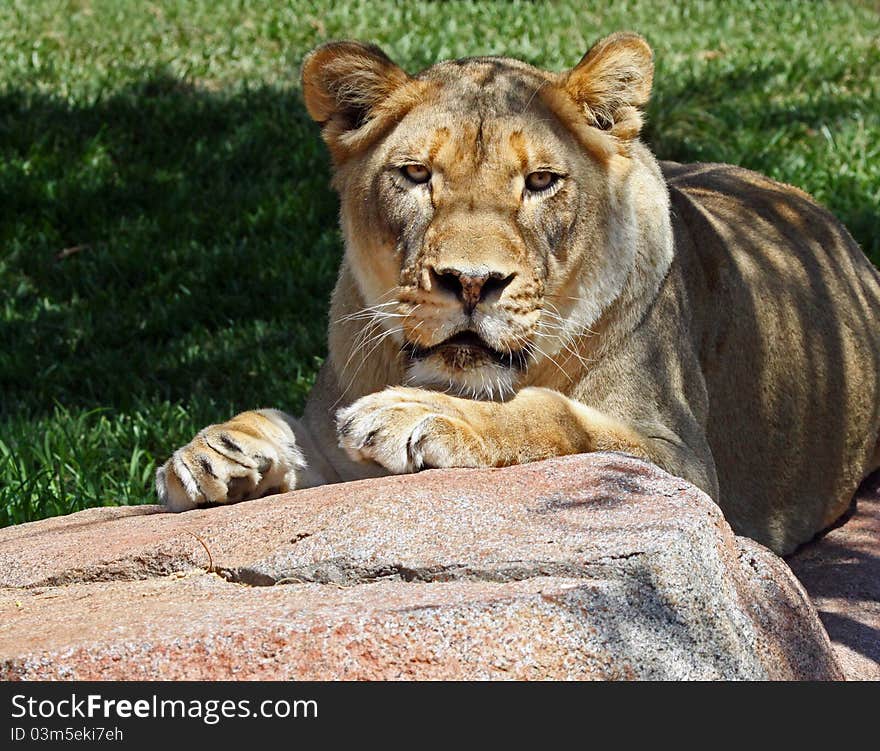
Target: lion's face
(482, 217)
(476, 205)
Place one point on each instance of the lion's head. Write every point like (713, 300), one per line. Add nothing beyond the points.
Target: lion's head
(493, 212)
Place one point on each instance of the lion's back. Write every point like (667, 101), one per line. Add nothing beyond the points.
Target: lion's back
(786, 320)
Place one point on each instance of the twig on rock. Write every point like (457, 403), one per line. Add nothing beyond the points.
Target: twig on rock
(210, 568)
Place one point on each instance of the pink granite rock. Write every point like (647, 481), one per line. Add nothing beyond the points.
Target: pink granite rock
(596, 566)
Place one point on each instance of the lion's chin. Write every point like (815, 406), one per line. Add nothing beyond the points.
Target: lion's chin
(466, 365)
(482, 378)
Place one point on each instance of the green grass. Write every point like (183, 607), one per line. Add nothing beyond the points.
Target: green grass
(168, 142)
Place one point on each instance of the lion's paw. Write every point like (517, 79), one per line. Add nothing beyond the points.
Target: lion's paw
(406, 430)
(248, 457)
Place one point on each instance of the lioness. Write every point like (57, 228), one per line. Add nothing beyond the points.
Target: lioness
(522, 280)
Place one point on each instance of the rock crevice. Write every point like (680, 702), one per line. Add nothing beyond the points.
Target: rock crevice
(349, 573)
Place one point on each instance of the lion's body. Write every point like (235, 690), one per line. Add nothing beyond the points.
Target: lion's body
(784, 314)
(522, 280)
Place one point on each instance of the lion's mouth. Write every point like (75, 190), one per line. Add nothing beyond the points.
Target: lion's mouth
(466, 350)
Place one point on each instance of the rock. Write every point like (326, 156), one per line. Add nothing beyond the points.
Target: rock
(586, 567)
(841, 571)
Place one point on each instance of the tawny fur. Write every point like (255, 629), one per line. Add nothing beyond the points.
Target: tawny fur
(702, 317)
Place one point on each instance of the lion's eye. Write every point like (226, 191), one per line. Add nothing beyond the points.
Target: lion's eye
(538, 181)
(416, 173)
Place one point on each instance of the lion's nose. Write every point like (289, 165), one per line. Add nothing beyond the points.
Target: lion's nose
(470, 286)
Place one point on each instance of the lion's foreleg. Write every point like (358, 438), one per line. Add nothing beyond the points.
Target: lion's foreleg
(406, 429)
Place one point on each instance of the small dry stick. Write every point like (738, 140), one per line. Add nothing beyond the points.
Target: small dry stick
(210, 568)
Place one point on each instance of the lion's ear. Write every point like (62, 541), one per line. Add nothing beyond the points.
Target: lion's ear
(345, 82)
(612, 82)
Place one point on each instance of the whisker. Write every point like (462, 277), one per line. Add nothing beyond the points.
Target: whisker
(369, 339)
(551, 359)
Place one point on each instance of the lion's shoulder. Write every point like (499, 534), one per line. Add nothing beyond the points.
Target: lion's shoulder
(742, 208)
(728, 181)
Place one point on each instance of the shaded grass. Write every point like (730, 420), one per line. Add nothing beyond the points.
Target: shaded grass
(162, 149)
